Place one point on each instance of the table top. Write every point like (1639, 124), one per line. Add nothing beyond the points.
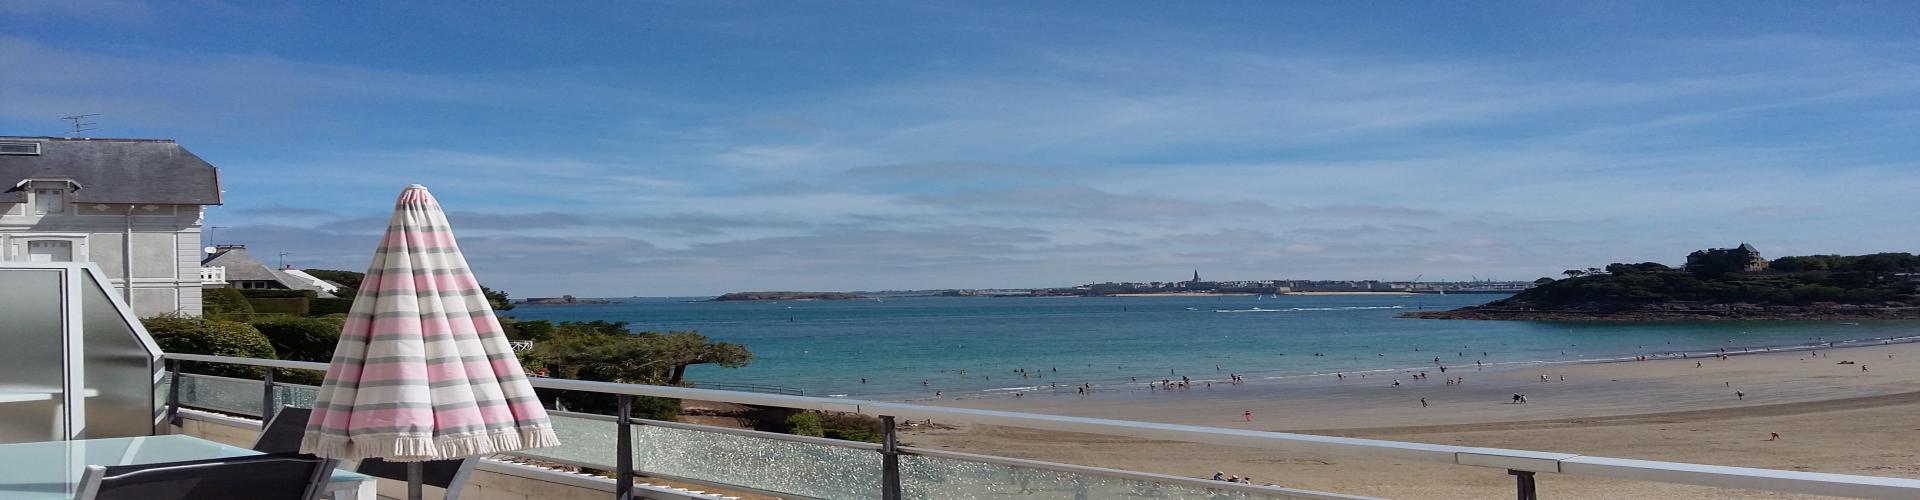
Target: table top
(50, 469)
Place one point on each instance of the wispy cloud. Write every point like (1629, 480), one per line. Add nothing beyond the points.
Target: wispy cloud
(785, 149)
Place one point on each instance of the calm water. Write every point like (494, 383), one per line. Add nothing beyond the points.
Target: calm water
(824, 348)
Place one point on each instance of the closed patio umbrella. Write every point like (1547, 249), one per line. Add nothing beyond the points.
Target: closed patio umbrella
(423, 370)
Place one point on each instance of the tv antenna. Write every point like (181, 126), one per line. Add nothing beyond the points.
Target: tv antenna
(80, 123)
(283, 259)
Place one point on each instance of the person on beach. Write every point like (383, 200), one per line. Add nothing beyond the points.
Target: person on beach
(1516, 398)
(1423, 402)
(1863, 368)
(1740, 395)
(1773, 436)
(1396, 382)
(1219, 476)
(1247, 415)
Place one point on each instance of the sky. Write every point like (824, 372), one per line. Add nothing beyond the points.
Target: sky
(693, 148)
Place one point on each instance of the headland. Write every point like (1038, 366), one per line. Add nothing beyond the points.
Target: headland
(1718, 284)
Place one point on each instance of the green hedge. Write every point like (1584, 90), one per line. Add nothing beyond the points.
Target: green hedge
(301, 339)
(289, 306)
(219, 303)
(212, 337)
(323, 307)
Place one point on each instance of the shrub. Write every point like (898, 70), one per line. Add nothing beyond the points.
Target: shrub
(536, 330)
(805, 424)
(301, 339)
(219, 303)
(324, 307)
(853, 427)
(211, 337)
(287, 306)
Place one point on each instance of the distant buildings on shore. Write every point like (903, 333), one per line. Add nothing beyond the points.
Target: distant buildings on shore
(1262, 287)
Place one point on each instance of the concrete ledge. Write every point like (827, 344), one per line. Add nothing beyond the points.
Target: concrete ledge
(1535, 461)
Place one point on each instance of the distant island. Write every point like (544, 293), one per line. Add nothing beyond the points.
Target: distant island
(741, 296)
(562, 300)
(1718, 284)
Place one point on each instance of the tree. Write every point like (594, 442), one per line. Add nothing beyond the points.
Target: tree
(604, 351)
(1573, 273)
(496, 298)
(1542, 281)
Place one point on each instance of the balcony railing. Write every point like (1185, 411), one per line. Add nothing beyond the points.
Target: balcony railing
(791, 466)
(216, 275)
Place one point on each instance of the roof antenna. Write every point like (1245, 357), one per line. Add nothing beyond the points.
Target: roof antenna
(80, 124)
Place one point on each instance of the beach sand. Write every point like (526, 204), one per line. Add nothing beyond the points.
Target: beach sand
(1832, 418)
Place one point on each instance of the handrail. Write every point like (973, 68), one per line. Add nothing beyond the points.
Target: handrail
(1815, 483)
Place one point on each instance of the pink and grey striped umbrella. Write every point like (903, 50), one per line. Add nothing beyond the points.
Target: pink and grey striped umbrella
(423, 370)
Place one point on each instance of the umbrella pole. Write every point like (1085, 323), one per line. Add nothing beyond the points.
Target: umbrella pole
(413, 480)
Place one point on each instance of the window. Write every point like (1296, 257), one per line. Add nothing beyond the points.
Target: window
(49, 251)
(19, 148)
(49, 201)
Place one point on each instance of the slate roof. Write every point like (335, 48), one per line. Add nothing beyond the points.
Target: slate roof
(113, 171)
(240, 266)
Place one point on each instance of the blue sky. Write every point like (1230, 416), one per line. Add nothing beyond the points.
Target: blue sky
(656, 148)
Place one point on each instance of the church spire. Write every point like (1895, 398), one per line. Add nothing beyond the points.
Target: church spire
(1196, 276)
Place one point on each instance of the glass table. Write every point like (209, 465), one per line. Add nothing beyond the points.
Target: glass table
(51, 470)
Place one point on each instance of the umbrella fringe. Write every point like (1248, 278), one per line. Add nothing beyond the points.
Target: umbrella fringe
(414, 448)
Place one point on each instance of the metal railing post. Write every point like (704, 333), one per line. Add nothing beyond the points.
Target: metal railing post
(889, 461)
(623, 442)
(1524, 480)
(266, 400)
(173, 392)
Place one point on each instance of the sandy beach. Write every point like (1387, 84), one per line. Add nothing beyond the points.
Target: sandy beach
(1832, 418)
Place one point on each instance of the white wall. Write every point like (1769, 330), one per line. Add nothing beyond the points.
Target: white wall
(166, 248)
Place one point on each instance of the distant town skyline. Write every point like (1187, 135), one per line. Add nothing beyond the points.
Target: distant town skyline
(658, 148)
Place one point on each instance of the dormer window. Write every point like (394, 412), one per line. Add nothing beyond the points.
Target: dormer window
(49, 201)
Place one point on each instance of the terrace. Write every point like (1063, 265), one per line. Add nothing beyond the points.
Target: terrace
(101, 376)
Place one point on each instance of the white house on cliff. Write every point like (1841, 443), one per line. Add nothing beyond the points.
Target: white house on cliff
(131, 206)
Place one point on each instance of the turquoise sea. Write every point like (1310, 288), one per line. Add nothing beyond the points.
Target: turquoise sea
(825, 348)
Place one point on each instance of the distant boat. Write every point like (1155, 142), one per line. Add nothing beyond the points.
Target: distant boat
(1193, 309)
(1850, 324)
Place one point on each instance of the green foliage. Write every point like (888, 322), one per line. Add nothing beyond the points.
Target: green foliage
(218, 303)
(213, 337)
(496, 298)
(604, 351)
(323, 307)
(805, 424)
(301, 339)
(347, 279)
(289, 306)
(535, 330)
(1800, 280)
(852, 427)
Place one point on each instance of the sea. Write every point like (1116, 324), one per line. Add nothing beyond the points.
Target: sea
(911, 348)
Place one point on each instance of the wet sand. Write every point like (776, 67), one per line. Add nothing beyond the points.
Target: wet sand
(1833, 418)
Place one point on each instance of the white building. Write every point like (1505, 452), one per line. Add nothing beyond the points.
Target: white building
(132, 206)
